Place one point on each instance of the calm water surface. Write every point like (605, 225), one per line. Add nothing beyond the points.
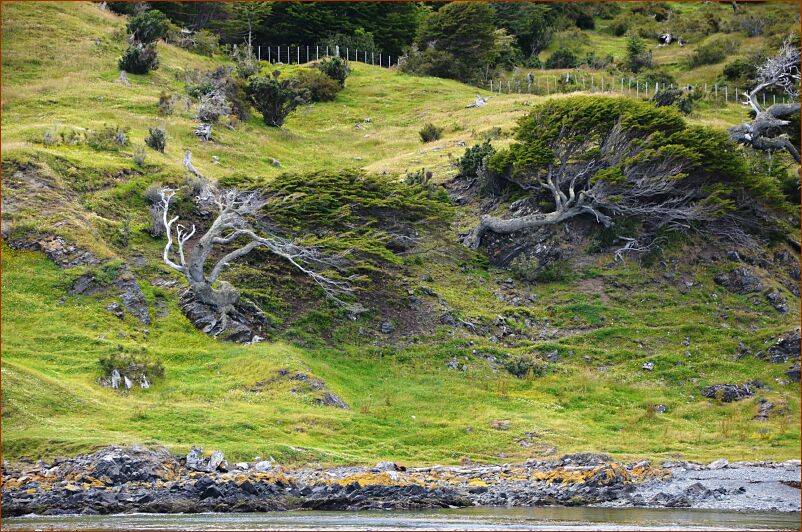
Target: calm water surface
(456, 519)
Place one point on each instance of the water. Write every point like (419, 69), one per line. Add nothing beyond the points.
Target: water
(552, 518)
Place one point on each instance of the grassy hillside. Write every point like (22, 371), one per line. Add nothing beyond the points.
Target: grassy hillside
(59, 68)
(698, 23)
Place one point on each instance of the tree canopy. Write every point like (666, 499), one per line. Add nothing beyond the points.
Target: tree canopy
(614, 157)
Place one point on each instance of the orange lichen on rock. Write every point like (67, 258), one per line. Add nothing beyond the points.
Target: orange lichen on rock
(372, 479)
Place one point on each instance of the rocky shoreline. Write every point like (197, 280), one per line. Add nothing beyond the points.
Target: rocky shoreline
(138, 479)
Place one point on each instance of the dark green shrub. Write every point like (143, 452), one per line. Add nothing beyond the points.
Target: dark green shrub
(127, 8)
(430, 132)
(157, 138)
(712, 52)
(525, 366)
(139, 59)
(148, 27)
(236, 90)
(474, 158)
(321, 87)
(429, 62)
(680, 98)
(638, 57)
(562, 58)
(620, 25)
(336, 68)
(275, 98)
(742, 69)
(532, 61)
(203, 42)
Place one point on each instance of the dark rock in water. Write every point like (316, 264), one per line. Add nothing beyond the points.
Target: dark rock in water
(728, 393)
(793, 372)
(330, 399)
(740, 281)
(785, 349)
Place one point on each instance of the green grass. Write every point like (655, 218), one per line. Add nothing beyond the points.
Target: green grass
(405, 404)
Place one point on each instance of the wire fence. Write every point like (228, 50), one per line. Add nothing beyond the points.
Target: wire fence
(531, 84)
(297, 54)
(636, 88)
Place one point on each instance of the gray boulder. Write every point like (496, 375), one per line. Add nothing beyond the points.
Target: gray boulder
(785, 349)
(740, 281)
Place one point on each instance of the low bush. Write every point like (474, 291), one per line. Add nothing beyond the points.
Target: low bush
(157, 138)
(430, 132)
(201, 42)
(474, 158)
(139, 156)
(527, 365)
(321, 87)
(682, 99)
(562, 58)
(166, 104)
(212, 106)
(139, 59)
(276, 98)
(336, 68)
(108, 138)
(712, 52)
(148, 27)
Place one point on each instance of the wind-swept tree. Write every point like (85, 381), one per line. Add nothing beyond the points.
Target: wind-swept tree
(612, 157)
(768, 131)
(235, 225)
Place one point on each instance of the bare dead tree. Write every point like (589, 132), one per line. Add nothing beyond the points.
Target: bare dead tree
(233, 225)
(765, 131)
(649, 186)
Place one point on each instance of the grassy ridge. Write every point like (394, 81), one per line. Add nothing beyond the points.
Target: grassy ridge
(405, 403)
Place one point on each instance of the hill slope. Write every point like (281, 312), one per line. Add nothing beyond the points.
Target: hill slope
(426, 392)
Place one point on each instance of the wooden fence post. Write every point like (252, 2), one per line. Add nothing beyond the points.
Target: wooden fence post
(258, 53)
(317, 52)
(726, 94)
(268, 55)
(307, 54)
